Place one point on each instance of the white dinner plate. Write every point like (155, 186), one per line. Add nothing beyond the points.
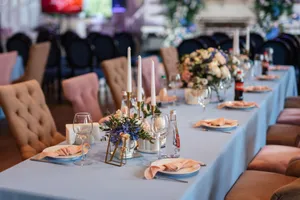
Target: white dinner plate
(258, 91)
(239, 107)
(71, 157)
(185, 171)
(220, 128)
(264, 78)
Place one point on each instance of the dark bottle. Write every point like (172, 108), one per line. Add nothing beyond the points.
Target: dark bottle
(265, 64)
(239, 87)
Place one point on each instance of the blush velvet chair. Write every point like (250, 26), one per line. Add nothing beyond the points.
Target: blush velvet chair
(289, 116)
(36, 64)
(29, 118)
(284, 134)
(170, 60)
(292, 102)
(146, 74)
(7, 62)
(82, 92)
(256, 185)
(115, 71)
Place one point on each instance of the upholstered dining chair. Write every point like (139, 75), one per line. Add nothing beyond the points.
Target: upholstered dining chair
(257, 185)
(284, 134)
(36, 64)
(82, 92)
(29, 118)
(146, 74)
(115, 71)
(289, 116)
(292, 102)
(170, 60)
(7, 62)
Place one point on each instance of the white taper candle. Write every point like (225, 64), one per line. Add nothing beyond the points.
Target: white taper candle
(139, 86)
(248, 40)
(153, 93)
(129, 75)
(236, 42)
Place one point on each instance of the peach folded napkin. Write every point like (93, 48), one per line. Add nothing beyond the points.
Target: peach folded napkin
(268, 77)
(257, 88)
(216, 122)
(65, 151)
(237, 104)
(163, 97)
(279, 68)
(175, 166)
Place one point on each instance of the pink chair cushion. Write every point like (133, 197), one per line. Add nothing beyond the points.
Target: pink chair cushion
(289, 116)
(82, 92)
(146, 73)
(7, 62)
(284, 134)
(274, 158)
(292, 102)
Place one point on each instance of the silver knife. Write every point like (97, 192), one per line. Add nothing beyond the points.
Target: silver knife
(47, 161)
(170, 179)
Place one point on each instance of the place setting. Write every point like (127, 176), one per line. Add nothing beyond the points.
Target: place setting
(257, 89)
(220, 125)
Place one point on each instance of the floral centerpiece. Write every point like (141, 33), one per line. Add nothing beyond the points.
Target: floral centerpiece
(205, 67)
(123, 128)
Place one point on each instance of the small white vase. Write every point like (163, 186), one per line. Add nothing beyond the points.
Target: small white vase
(129, 149)
(190, 97)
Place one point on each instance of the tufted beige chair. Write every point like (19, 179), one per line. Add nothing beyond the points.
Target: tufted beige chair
(36, 64)
(29, 118)
(115, 71)
(170, 60)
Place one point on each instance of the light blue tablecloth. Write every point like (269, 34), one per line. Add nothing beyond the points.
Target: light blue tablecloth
(226, 156)
(18, 70)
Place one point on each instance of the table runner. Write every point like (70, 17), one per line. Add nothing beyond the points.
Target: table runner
(226, 156)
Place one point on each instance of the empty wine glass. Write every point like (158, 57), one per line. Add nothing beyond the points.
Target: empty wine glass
(175, 83)
(83, 127)
(204, 95)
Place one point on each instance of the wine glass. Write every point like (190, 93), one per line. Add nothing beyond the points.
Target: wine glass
(159, 128)
(83, 127)
(175, 83)
(204, 94)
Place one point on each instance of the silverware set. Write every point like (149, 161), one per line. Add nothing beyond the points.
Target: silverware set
(228, 132)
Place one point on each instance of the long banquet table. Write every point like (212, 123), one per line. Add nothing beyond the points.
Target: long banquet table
(226, 156)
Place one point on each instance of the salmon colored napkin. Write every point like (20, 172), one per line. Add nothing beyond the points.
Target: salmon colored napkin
(279, 68)
(268, 77)
(237, 104)
(175, 166)
(257, 88)
(64, 151)
(163, 97)
(216, 122)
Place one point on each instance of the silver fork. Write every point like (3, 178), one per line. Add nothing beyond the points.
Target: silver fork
(170, 179)
(228, 132)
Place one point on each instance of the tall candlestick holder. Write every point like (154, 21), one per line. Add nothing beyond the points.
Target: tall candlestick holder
(139, 105)
(153, 108)
(129, 102)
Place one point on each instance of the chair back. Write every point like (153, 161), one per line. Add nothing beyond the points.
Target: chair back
(20, 43)
(124, 40)
(258, 40)
(220, 37)
(115, 71)
(104, 48)
(7, 62)
(29, 118)
(82, 92)
(146, 74)
(44, 35)
(293, 46)
(226, 45)
(281, 54)
(170, 60)
(208, 40)
(79, 54)
(188, 46)
(67, 38)
(36, 64)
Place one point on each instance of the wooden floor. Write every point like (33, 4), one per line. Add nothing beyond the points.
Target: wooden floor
(62, 114)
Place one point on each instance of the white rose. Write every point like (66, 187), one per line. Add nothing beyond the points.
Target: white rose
(221, 59)
(146, 126)
(213, 64)
(216, 70)
(204, 81)
(225, 72)
(209, 78)
(118, 114)
(204, 54)
(236, 61)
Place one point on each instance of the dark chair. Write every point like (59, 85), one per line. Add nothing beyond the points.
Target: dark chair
(282, 55)
(124, 40)
(293, 46)
(292, 40)
(67, 38)
(220, 37)
(252, 46)
(104, 48)
(208, 40)
(226, 45)
(20, 43)
(188, 46)
(258, 41)
(79, 57)
(43, 35)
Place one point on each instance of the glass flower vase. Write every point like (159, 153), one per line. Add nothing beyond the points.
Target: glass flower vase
(218, 94)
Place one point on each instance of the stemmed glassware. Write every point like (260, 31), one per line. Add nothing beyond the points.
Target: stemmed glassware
(204, 95)
(175, 83)
(83, 127)
(159, 128)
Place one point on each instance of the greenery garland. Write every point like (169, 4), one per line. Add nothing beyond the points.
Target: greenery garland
(268, 12)
(182, 12)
